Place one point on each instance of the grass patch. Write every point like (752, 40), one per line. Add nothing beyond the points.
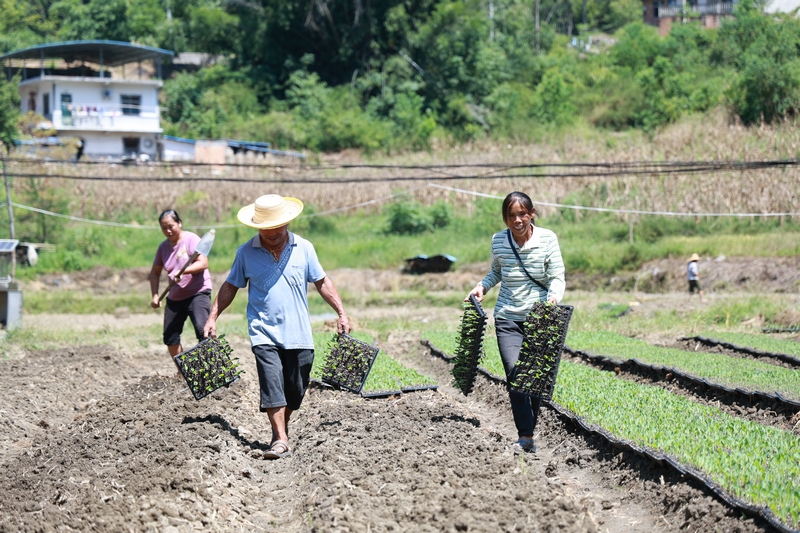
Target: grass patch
(722, 369)
(757, 341)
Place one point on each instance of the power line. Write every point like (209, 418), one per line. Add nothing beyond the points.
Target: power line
(722, 167)
(218, 226)
(622, 211)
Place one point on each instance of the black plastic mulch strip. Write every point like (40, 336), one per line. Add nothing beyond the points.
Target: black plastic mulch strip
(656, 457)
(417, 388)
(752, 396)
(786, 358)
(436, 351)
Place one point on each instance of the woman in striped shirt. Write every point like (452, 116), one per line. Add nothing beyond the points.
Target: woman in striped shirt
(539, 259)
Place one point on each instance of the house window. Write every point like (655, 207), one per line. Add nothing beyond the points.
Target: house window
(32, 102)
(46, 104)
(131, 104)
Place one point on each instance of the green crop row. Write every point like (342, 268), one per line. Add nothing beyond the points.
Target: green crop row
(756, 463)
(725, 370)
(386, 373)
(761, 342)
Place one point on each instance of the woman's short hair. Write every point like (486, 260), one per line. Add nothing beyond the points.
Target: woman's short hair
(520, 198)
(170, 213)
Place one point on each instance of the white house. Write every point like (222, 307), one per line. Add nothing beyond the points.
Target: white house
(70, 84)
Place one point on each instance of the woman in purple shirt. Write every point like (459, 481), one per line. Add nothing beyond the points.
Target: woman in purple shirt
(190, 294)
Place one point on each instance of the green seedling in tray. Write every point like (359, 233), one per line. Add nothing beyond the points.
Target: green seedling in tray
(208, 366)
(348, 363)
(545, 331)
(469, 346)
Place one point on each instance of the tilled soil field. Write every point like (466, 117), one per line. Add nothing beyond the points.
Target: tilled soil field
(95, 439)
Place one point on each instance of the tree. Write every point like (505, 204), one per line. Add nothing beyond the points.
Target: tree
(9, 111)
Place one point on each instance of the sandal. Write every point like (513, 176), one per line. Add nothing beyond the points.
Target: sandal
(278, 450)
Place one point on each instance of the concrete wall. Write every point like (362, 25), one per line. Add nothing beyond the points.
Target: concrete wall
(110, 144)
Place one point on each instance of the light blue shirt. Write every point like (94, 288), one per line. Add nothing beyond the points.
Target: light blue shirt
(278, 314)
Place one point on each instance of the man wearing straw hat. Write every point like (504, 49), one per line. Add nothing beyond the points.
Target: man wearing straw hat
(277, 265)
(693, 275)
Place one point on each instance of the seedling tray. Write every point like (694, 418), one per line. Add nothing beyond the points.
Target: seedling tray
(545, 331)
(208, 366)
(348, 363)
(469, 346)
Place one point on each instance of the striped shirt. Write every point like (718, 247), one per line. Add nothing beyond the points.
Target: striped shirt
(542, 259)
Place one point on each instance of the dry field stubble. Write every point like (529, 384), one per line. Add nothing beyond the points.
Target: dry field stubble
(710, 139)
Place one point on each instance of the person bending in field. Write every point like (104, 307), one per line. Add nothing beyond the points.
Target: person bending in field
(693, 276)
(277, 265)
(526, 261)
(190, 294)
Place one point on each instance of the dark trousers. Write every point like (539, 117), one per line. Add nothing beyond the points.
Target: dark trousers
(196, 308)
(283, 375)
(524, 408)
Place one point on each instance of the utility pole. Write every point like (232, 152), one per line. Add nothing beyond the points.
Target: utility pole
(583, 13)
(8, 202)
(537, 25)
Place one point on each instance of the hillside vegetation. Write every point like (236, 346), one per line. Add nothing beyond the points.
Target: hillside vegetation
(403, 74)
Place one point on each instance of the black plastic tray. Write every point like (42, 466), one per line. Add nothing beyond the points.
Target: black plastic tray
(348, 363)
(208, 366)
(469, 351)
(545, 332)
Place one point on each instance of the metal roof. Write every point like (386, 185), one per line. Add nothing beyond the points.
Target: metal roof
(114, 53)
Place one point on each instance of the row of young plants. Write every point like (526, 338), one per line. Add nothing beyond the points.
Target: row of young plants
(732, 372)
(756, 463)
(386, 373)
(762, 342)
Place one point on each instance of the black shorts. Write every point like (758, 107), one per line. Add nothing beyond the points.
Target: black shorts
(283, 375)
(694, 284)
(195, 307)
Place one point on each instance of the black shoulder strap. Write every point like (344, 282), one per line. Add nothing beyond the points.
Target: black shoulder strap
(516, 253)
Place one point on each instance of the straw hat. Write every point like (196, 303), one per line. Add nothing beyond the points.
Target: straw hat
(270, 211)
(694, 257)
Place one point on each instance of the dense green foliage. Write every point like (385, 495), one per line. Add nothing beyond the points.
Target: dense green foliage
(723, 369)
(762, 342)
(394, 74)
(9, 111)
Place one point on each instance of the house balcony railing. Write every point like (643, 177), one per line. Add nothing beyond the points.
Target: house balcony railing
(720, 8)
(107, 117)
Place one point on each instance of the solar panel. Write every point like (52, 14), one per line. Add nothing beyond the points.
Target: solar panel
(8, 245)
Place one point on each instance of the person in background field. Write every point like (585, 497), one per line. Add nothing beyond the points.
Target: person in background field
(277, 265)
(535, 273)
(693, 275)
(190, 295)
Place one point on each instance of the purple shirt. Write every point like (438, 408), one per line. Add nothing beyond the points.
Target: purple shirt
(172, 258)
